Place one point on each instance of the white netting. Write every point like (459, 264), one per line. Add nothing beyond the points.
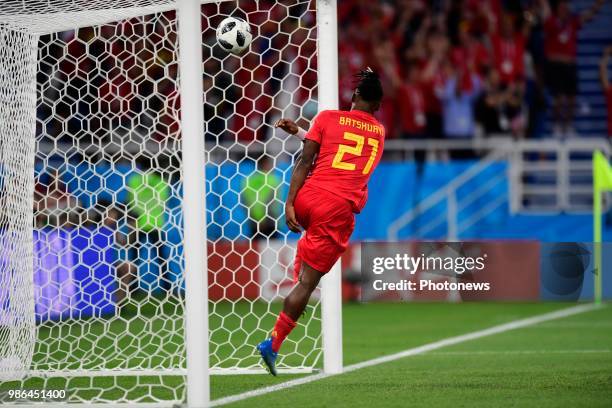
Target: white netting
(17, 106)
(44, 16)
(107, 241)
(250, 173)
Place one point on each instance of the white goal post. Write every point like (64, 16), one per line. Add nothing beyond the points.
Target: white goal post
(194, 206)
(331, 307)
(137, 255)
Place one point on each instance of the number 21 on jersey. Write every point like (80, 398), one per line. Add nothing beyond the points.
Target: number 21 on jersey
(355, 150)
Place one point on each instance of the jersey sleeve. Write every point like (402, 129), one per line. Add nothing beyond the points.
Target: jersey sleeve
(315, 133)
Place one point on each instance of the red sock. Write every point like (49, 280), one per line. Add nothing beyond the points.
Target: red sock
(282, 328)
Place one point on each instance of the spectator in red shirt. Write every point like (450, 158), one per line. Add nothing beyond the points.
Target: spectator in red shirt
(388, 67)
(560, 44)
(470, 54)
(500, 107)
(412, 104)
(413, 119)
(252, 99)
(508, 46)
(605, 83)
(433, 77)
(483, 14)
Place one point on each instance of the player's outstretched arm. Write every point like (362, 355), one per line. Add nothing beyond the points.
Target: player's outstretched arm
(291, 127)
(300, 172)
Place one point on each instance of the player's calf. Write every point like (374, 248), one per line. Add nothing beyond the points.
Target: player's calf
(293, 307)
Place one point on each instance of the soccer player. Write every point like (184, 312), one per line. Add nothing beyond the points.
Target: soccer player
(328, 185)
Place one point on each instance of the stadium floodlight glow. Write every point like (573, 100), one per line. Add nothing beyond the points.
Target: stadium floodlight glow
(100, 105)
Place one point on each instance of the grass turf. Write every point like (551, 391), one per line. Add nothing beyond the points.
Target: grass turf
(536, 366)
(566, 362)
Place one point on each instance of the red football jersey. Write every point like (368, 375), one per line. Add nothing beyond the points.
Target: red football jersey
(508, 55)
(561, 38)
(351, 146)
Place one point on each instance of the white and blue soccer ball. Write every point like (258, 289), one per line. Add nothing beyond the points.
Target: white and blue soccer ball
(234, 35)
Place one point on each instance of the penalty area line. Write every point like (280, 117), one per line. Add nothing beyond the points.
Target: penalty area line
(516, 324)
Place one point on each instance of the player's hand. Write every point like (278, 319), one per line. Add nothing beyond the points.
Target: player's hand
(287, 125)
(291, 220)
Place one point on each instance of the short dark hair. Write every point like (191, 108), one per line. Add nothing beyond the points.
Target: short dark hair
(368, 86)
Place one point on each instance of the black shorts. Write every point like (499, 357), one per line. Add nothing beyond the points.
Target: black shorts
(434, 126)
(561, 78)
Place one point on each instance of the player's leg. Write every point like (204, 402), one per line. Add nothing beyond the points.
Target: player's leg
(293, 307)
(329, 222)
(568, 115)
(570, 89)
(554, 83)
(295, 304)
(557, 114)
(296, 301)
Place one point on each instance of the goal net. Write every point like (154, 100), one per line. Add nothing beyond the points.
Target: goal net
(91, 188)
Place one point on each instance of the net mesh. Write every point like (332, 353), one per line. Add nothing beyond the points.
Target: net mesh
(106, 246)
(44, 16)
(17, 106)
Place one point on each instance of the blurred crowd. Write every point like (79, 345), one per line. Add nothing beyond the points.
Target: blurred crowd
(118, 82)
(452, 68)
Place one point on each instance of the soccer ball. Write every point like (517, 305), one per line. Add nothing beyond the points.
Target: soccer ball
(234, 35)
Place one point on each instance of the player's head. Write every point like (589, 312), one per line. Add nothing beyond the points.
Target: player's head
(368, 91)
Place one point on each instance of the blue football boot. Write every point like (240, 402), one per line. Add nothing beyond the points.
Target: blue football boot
(268, 355)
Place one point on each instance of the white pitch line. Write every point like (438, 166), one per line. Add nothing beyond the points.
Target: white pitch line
(515, 352)
(517, 324)
(576, 325)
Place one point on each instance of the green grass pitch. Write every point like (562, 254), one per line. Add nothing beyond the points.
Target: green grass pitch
(564, 362)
